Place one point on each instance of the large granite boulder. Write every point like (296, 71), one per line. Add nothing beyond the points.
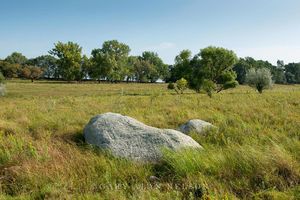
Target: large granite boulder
(128, 138)
(195, 125)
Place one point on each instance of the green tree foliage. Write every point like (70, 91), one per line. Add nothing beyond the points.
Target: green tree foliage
(16, 58)
(143, 70)
(69, 60)
(130, 70)
(31, 72)
(48, 63)
(278, 73)
(9, 70)
(110, 61)
(159, 70)
(245, 64)
(226, 80)
(208, 86)
(259, 79)
(181, 67)
(292, 73)
(212, 70)
(100, 69)
(85, 68)
(241, 68)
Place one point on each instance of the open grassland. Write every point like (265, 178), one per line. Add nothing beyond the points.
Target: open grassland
(254, 153)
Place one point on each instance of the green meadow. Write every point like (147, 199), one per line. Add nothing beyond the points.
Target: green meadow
(254, 153)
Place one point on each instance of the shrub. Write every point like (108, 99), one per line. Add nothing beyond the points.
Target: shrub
(31, 72)
(181, 85)
(171, 86)
(9, 70)
(259, 79)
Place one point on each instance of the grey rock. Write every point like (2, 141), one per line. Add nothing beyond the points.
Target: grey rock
(195, 125)
(128, 138)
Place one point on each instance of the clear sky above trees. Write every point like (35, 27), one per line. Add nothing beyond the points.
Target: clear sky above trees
(262, 29)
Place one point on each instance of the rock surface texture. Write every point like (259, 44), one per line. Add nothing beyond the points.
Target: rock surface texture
(128, 138)
(195, 125)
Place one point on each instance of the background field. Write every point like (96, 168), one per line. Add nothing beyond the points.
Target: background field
(254, 153)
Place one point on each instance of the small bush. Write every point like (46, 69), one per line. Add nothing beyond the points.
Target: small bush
(259, 79)
(181, 85)
(171, 86)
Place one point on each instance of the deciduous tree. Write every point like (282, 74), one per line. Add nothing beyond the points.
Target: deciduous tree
(110, 61)
(9, 70)
(159, 70)
(31, 72)
(16, 58)
(48, 63)
(69, 59)
(182, 67)
(212, 70)
(292, 71)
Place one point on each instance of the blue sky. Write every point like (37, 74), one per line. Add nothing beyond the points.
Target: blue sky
(263, 29)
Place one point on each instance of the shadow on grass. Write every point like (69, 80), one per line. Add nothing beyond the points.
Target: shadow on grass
(76, 138)
(163, 170)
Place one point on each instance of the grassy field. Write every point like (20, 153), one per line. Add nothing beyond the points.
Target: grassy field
(254, 153)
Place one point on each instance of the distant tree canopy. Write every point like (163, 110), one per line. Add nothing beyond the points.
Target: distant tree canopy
(31, 72)
(143, 70)
(16, 58)
(213, 69)
(110, 61)
(113, 63)
(158, 69)
(245, 64)
(292, 73)
(69, 60)
(9, 70)
(181, 68)
(47, 63)
(210, 70)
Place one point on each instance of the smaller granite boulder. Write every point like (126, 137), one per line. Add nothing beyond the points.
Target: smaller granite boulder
(195, 125)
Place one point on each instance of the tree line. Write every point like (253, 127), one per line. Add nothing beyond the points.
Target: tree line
(213, 68)
(281, 73)
(111, 62)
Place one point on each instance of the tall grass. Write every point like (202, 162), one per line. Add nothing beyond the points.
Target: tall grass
(2, 89)
(253, 154)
